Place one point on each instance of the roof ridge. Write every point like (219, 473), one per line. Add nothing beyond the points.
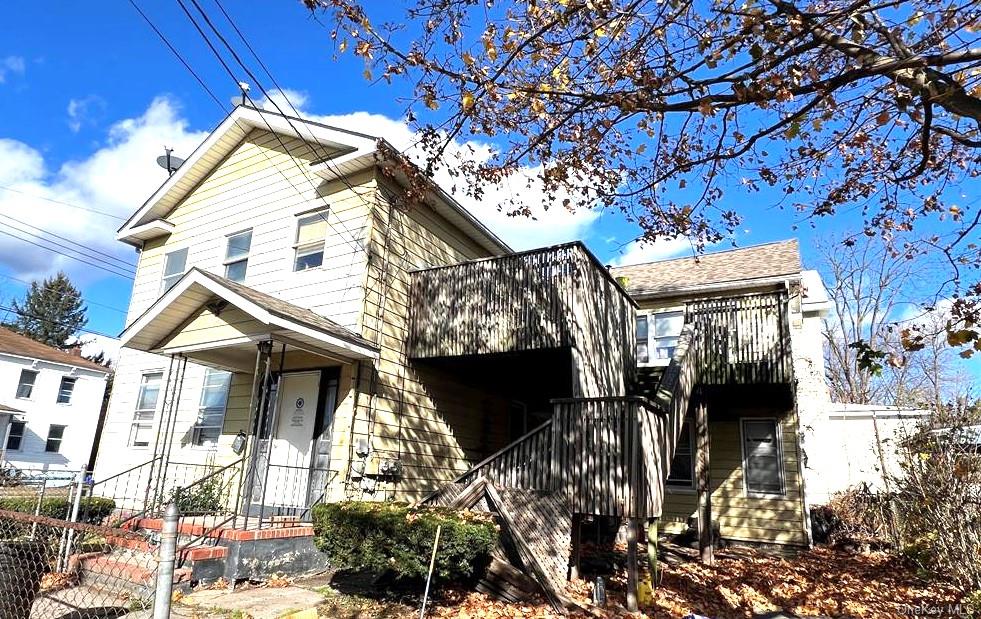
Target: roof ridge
(54, 355)
(793, 240)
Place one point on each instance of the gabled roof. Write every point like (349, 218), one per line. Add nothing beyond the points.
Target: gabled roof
(197, 288)
(346, 152)
(22, 346)
(747, 266)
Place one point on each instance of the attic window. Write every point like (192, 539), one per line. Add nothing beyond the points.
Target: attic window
(237, 255)
(311, 232)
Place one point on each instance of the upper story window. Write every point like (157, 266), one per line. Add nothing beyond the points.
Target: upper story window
(237, 255)
(211, 412)
(146, 409)
(657, 336)
(16, 435)
(25, 386)
(762, 457)
(66, 389)
(55, 434)
(311, 232)
(175, 263)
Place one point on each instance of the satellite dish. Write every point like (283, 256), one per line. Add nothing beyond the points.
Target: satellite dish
(169, 162)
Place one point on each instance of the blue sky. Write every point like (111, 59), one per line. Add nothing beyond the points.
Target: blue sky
(89, 96)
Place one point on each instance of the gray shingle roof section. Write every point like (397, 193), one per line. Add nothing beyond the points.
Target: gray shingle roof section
(759, 262)
(289, 311)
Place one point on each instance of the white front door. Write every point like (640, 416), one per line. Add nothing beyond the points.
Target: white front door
(292, 443)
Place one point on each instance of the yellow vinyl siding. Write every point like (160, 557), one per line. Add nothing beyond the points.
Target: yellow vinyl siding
(205, 328)
(741, 517)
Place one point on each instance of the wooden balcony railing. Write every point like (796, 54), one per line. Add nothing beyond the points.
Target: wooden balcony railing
(745, 339)
(525, 463)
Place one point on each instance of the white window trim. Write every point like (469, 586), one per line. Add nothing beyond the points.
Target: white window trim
(196, 427)
(323, 212)
(156, 411)
(23, 434)
(29, 398)
(674, 488)
(229, 261)
(61, 439)
(74, 380)
(782, 464)
(652, 360)
(163, 267)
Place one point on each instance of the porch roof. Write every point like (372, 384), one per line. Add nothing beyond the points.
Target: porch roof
(197, 290)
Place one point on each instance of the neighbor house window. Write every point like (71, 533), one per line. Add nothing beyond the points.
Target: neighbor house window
(175, 263)
(146, 409)
(657, 336)
(16, 436)
(25, 386)
(682, 472)
(237, 255)
(311, 231)
(762, 457)
(211, 412)
(66, 389)
(55, 434)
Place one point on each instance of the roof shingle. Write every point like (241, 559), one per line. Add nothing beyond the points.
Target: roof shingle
(712, 269)
(22, 346)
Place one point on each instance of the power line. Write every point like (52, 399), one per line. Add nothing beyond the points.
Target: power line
(100, 261)
(88, 301)
(53, 322)
(95, 254)
(93, 264)
(61, 202)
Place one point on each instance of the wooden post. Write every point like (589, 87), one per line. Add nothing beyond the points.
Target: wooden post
(632, 576)
(703, 483)
(574, 560)
(652, 558)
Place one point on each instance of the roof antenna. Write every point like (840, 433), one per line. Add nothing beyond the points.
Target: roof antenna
(244, 87)
(169, 162)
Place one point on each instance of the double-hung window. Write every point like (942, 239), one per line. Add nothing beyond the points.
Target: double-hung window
(762, 457)
(657, 336)
(25, 385)
(175, 263)
(682, 471)
(311, 232)
(146, 409)
(15, 436)
(237, 255)
(55, 434)
(66, 389)
(211, 411)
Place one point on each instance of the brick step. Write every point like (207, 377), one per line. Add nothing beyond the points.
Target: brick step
(125, 570)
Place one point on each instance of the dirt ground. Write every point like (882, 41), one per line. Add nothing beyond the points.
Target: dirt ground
(744, 583)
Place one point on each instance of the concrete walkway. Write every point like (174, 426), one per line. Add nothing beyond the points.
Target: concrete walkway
(259, 603)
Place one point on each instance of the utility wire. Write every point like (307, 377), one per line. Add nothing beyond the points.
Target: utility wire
(88, 301)
(61, 249)
(51, 321)
(94, 253)
(83, 208)
(57, 251)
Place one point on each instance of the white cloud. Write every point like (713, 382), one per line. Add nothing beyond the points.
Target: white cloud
(543, 227)
(85, 111)
(116, 179)
(11, 65)
(641, 250)
(93, 344)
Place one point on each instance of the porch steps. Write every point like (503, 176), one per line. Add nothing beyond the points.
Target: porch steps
(124, 570)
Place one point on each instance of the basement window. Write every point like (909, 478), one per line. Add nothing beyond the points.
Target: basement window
(311, 232)
(237, 255)
(762, 458)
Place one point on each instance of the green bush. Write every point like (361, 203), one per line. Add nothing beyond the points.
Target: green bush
(92, 510)
(202, 498)
(397, 538)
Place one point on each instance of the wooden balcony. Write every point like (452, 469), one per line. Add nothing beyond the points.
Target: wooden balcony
(555, 297)
(745, 340)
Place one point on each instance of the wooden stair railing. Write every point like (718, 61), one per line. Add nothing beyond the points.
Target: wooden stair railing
(525, 463)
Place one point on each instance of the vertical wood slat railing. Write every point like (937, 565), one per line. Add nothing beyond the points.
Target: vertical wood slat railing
(525, 463)
(520, 301)
(745, 339)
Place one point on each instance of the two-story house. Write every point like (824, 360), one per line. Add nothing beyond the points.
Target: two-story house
(308, 324)
(54, 399)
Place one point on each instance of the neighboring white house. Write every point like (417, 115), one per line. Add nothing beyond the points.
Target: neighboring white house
(53, 398)
(842, 447)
